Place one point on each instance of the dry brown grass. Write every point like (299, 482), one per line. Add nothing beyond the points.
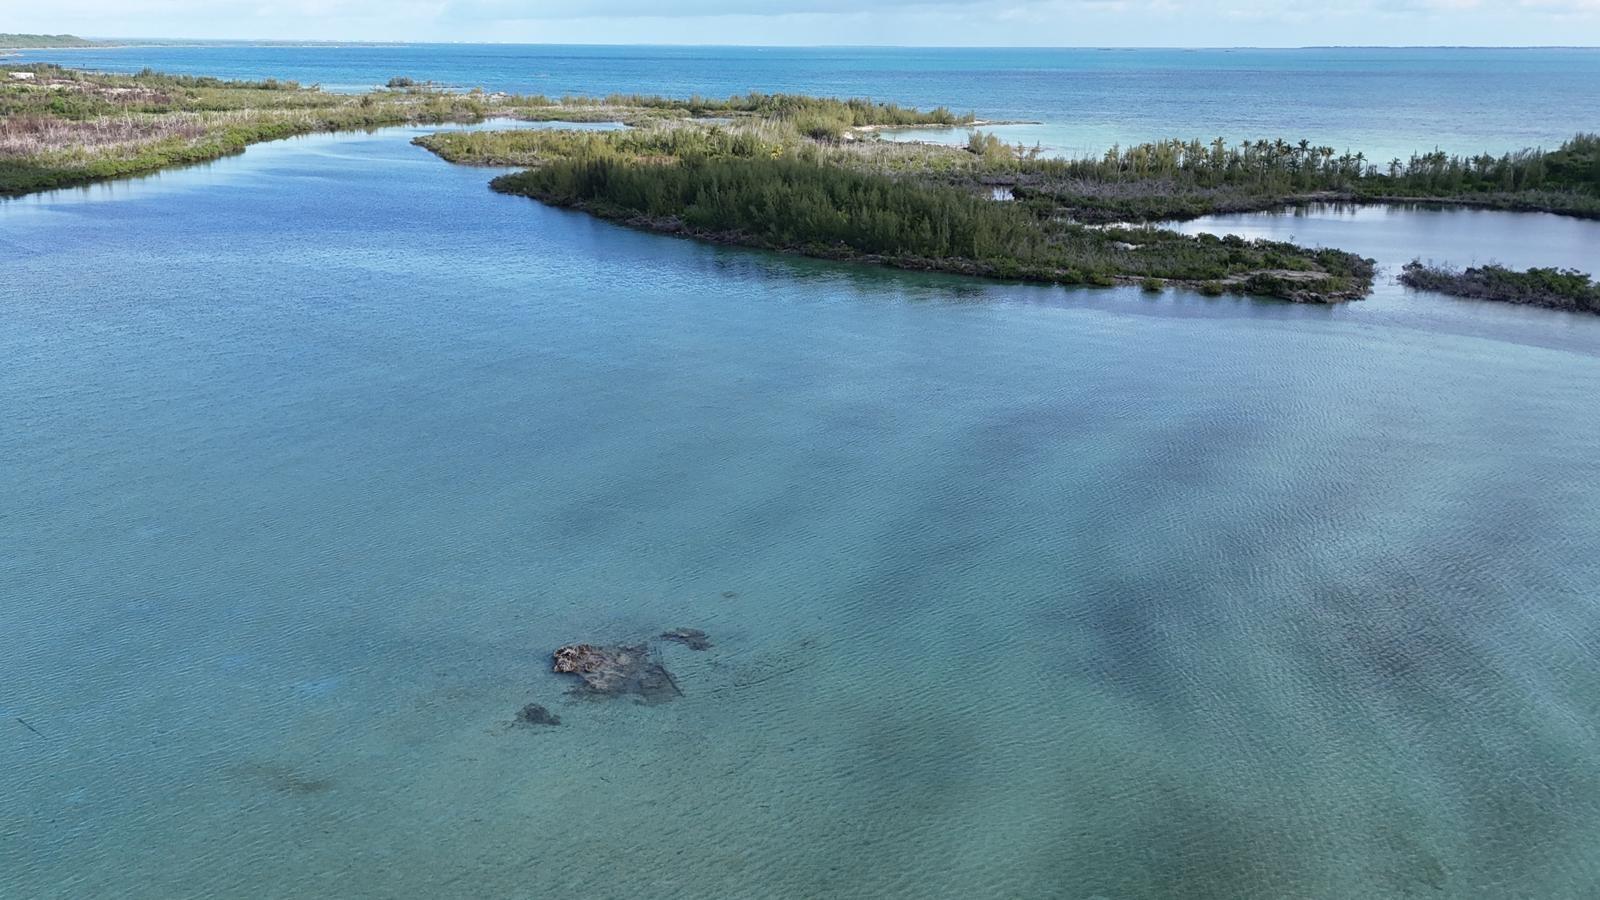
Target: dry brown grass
(30, 135)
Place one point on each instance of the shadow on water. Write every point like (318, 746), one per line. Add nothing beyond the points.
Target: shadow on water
(281, 779)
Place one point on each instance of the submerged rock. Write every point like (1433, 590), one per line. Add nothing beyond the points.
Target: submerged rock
(534, 714)
(693, 638)
(618, 670)
(581, 659)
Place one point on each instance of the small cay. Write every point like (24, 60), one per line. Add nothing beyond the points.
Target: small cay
(1566, 289)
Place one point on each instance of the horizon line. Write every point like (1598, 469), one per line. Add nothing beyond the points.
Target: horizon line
(129, 42)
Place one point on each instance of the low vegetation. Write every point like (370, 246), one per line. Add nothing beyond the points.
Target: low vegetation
(62, 127)
(1566, 289)
(535, 148)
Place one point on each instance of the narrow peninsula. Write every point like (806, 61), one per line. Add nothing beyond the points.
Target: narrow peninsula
(770, 184)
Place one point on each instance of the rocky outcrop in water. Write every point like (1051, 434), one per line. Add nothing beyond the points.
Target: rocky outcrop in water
(614, 671)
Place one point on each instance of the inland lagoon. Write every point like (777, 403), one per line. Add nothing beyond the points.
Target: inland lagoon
(860, 581)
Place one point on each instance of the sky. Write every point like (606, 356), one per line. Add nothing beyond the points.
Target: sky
(1035, 23)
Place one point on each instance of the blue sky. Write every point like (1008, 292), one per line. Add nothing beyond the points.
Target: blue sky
(1137, 23)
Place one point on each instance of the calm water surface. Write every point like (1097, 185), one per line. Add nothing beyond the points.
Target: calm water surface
(312, 455)
(1396, 235)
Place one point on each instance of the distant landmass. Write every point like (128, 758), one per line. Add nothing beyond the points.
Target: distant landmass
(43, 41)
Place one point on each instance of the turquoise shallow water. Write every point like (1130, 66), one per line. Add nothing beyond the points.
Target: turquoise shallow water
(312, 455)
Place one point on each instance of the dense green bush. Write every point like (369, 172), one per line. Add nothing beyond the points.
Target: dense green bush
(1554, 288)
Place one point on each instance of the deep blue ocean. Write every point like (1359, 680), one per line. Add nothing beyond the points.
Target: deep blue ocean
(311, 456)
